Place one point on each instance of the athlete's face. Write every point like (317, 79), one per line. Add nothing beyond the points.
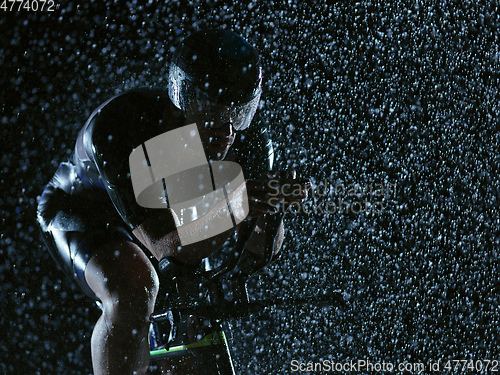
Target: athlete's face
(215, 128)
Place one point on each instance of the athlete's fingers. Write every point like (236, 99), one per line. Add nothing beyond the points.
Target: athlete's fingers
(273, 174)
(260, 208)
(265, 195)
(260, 196)
(294, 182)
(295, 191)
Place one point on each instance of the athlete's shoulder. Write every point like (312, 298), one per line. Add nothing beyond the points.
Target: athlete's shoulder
(131, 108)
(131, 118)
(139, 97)
(125, 122)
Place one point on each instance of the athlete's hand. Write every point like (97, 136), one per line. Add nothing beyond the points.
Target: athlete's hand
(278, 187)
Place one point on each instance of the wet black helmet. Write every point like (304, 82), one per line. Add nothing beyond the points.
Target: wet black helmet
(217, 67)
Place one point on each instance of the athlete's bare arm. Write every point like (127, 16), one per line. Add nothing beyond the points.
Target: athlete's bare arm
(256, 244)
(160, 234)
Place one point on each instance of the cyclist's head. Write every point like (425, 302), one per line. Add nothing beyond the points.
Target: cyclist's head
(216, 73)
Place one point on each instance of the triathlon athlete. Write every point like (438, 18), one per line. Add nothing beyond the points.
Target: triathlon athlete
(108, 243)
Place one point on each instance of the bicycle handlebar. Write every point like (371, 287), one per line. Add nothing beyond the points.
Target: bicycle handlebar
(236, 309)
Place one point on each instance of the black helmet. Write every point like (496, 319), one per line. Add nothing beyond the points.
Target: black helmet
(217, 67)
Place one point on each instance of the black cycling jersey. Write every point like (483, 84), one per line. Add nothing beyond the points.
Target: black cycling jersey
(113, 131)
(90, 201)
(124, 123)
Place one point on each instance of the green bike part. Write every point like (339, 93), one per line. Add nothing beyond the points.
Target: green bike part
(215, 338)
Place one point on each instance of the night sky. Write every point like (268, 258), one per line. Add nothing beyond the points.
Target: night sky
(398, 99)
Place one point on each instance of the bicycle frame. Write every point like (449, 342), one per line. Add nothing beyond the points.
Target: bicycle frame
(211, 354)
(211, 351)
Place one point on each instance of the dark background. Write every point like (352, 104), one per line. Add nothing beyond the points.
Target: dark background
(403, 93)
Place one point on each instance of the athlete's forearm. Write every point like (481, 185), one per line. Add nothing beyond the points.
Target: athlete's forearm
(257, 242)
(255, 247)
(194, 252)
(165, 237)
